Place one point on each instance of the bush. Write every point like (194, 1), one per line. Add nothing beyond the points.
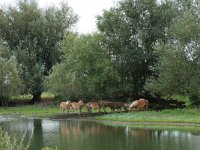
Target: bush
(195, 100)
(8, 143)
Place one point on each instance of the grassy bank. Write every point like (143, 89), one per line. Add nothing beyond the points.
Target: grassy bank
(189, 115)
(37, 111)
(31, 111)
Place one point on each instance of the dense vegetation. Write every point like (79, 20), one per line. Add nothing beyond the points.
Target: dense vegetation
(142, 49)
(9, 142)
(33, 36)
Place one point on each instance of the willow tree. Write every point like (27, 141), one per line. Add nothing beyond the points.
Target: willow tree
(34, 35)
(85, 70)
(9, 76)
(179, 56)
(132, 27)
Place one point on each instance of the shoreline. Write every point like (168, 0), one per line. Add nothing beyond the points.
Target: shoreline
(152, 123)
(177, 117)
(92, 117)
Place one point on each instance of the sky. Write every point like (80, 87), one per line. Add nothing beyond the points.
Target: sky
(87, 10)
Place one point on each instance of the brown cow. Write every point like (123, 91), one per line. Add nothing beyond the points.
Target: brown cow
(115, 105)
(65, 106)
(95, 105)
(79, 105)
(139, 104)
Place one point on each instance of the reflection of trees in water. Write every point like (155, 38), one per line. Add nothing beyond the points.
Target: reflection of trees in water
(37, 141)
(182, 140)
(80, 135)
(90, 136)
(80, 127)
(197, 133)
(161, 139)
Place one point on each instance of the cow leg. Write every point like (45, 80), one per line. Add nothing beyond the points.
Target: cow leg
(99, 109)
(79, 110)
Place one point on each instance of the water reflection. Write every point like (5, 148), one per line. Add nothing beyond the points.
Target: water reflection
(83, 135)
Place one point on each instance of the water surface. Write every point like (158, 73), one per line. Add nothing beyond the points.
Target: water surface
(87, 135)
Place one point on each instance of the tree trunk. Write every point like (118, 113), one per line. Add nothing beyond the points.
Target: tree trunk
(36, 98)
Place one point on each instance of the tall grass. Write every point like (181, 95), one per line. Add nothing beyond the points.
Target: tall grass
(10, 143)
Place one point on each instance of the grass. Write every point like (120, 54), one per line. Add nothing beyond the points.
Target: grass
(189, 115)
(193, 129)
(31, 111)
(44, 96)
(37, 111)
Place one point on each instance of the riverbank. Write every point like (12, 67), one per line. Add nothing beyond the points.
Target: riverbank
(186, 116)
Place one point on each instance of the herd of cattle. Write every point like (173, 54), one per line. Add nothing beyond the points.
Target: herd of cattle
(141, 104)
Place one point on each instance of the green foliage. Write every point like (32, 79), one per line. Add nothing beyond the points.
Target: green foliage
(9, 76)
(34, 35)
(26, 98)
(10, 143)
(195, 99)
(131, 29)
(171, 80)
(179, 57)
(49, 148)
(86, 70)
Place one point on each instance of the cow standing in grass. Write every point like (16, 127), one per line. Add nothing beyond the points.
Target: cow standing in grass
(95, 106)
(115, 105)
(141, 104)
(77, 105)
(65, 106)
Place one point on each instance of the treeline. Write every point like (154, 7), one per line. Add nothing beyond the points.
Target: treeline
(141, 49)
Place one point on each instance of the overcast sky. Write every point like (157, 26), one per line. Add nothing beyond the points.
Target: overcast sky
(86, 9)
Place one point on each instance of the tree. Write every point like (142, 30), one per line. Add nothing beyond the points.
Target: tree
(34, 36)
(131, 29)
(173, 70)
(179, 57)
(85, 70)
(9, 77)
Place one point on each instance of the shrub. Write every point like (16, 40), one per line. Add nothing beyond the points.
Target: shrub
(195, 100)
(8, 143)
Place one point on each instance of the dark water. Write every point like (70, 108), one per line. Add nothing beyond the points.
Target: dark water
(84, 135)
